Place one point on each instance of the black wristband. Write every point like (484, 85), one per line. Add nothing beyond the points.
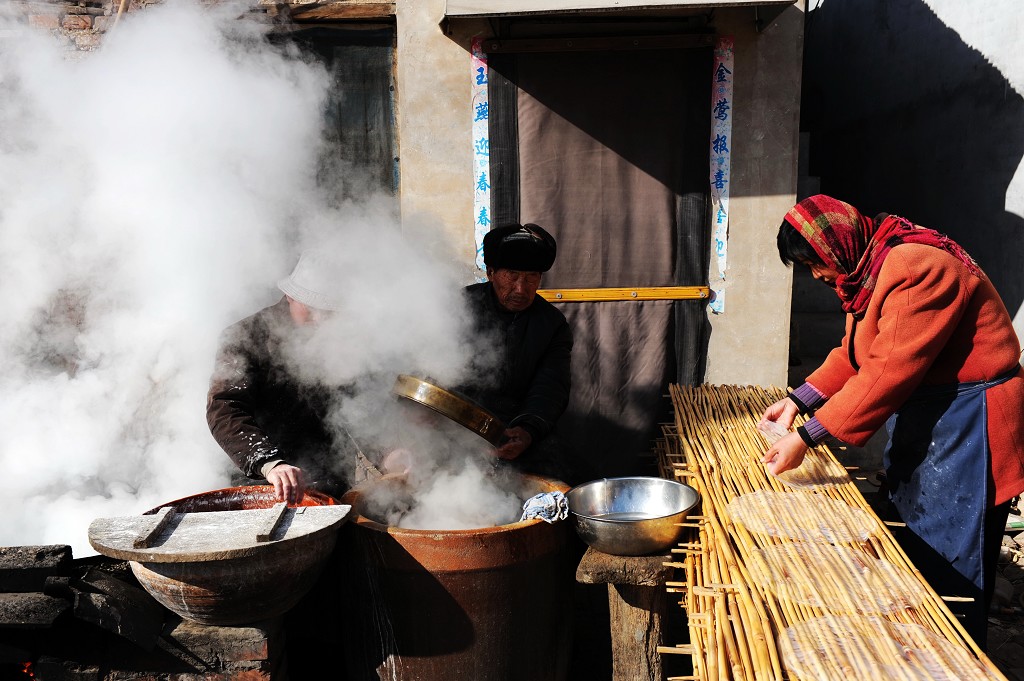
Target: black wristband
(799, 405)
(805, 436)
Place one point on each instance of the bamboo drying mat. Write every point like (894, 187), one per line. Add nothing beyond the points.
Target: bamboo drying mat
(737, 624)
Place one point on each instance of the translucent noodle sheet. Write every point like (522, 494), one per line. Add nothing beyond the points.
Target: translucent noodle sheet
(842, 648)
(802, 516)
(835, 577)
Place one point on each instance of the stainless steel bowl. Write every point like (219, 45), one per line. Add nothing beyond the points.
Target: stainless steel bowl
(633, 516)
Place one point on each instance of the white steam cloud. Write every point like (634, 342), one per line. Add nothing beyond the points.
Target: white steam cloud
(152, 193)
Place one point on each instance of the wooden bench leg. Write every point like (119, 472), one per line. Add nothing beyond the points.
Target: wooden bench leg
(635, 615)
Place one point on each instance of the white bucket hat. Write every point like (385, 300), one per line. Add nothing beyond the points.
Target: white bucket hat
(315, 282)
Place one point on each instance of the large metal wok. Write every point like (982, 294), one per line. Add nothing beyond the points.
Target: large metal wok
(452, 405)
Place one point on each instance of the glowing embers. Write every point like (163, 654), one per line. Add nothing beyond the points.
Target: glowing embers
(848, 647)
(802, 516)
(836, 578)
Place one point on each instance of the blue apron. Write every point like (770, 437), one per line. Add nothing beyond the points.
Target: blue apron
(937, 470)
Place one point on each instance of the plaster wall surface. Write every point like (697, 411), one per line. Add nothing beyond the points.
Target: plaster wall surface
(750, 340)
(434, 122)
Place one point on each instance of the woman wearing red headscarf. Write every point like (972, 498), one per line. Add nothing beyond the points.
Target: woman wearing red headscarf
(930, 351)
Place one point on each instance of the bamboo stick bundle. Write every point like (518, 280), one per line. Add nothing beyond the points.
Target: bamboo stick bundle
(761, 618)
(750, 620)
(703, 606)
(758, 410)
(714, 444)
(726, 611)
(761, 635)
(725, 585)
(750, 487)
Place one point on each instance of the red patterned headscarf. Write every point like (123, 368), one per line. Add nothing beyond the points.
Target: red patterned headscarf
(856, 246)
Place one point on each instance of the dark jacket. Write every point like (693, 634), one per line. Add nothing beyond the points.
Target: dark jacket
(530, 386)
(257, 410)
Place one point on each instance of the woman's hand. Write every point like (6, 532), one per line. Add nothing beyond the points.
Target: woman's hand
(783, 412)
(786, 454)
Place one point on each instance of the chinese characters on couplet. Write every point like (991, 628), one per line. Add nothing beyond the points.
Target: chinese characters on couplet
(481, 112)
(721, 160)
(719, 144)
(720, 180)
(721, 109)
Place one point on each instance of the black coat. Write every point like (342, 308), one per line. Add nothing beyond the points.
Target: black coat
(529, 386)
(258, 411)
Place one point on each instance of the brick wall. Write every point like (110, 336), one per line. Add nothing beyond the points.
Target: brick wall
(80, 24)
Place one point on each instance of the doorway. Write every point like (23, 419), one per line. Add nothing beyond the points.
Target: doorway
(608, 150)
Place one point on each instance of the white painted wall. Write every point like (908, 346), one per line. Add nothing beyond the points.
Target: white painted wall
(996, 29)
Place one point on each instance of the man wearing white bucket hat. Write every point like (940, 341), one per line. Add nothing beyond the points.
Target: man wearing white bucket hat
(269, 420)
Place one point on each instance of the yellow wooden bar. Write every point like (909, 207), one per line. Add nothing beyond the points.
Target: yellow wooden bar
(589, 295)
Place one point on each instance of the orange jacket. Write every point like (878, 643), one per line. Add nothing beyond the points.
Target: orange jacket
(929, 322)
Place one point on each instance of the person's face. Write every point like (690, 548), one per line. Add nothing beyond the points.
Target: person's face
(823, 273)
(303, 315)
(515, 289)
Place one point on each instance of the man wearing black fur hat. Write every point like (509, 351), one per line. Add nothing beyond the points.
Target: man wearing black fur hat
(530, 389)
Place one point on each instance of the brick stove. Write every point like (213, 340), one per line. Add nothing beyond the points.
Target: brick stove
(88, 620)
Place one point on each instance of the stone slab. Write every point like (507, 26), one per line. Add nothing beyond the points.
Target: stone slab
(30, 610)
(212, 644)
(24, 569)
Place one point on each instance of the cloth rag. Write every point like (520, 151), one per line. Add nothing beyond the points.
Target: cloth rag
(548, 506)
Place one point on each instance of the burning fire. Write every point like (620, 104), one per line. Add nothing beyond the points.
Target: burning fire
(26, 669)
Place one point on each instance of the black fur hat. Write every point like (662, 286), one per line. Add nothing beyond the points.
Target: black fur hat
(527, 248)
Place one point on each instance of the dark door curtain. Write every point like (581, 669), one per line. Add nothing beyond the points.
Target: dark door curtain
(612, 156)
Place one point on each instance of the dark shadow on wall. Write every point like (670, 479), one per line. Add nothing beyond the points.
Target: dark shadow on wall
(905, 118)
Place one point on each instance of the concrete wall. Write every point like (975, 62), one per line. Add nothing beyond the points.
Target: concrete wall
(749, 342)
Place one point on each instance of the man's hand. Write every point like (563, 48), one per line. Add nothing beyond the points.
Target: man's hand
(518, 439)
(783, 412)
(397, 462)
(786, 454)
(289, 482)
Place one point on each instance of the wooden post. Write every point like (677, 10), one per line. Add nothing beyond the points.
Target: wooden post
(637, 602)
